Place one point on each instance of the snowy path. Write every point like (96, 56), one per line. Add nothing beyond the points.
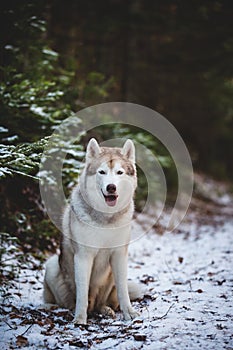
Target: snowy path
(188, 303)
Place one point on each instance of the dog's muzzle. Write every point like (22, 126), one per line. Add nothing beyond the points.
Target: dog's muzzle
(111, 196)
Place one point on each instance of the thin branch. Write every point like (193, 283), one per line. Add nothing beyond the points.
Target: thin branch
(169, 269)
(10, 326)
(166, 313)
(27, 330)
(24, 174)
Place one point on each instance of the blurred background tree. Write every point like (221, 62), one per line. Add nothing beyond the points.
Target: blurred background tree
(37, 92)
(57, 57)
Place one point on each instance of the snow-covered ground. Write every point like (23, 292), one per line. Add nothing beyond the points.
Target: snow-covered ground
(188, 303)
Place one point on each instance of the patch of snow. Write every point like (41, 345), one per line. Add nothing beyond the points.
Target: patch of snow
(3, 129)
(39, 111)
(187, 277)
(11, 138)
(50, 52)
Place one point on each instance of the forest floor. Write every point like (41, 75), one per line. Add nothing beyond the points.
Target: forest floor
(188, 282)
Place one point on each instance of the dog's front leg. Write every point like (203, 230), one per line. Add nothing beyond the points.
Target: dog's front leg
(82, 270)
(119, 267)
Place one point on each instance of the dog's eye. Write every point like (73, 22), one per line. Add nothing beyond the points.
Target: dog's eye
(120, 172)
(102, 172)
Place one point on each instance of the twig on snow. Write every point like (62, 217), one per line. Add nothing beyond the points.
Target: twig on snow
(166, 313)
(21, 335)
(10, 326)
(169, 269)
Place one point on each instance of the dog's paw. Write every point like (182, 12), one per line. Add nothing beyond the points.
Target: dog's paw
(130, 314)
(80, 320)
(107, 311)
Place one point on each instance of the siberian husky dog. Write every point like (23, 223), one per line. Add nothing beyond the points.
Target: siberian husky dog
(90, 274)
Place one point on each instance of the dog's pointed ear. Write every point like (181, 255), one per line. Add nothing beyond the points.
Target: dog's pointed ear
(128, 150)
(93, 149)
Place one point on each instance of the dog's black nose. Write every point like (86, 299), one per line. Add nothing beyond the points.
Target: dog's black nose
(111, 188)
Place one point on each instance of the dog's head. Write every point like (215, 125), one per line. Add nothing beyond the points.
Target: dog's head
(110, 176)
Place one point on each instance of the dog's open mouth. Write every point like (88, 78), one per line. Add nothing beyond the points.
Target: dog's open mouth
(110, 199)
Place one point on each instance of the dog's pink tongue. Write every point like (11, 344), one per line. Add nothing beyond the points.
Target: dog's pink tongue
(111, 200)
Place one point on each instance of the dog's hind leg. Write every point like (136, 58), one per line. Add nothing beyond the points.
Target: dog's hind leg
(56, 288)
(50, 281)
(135, 291)
(48, 295)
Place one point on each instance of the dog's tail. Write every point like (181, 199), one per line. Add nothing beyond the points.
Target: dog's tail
(135, 291)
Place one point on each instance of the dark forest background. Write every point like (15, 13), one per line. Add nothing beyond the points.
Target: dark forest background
(175, 57)
(58, 57)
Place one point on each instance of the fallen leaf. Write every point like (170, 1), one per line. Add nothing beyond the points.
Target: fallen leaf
(180, 259)
(223, 296)
(147, 279)
(177, 283)
(22, 341)
(210, 274)
(220, 326)
(219, 283)
(137, 321)
(139, 337)
(14, 315)
(190, 319)
(80, 343)
(168, 292)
